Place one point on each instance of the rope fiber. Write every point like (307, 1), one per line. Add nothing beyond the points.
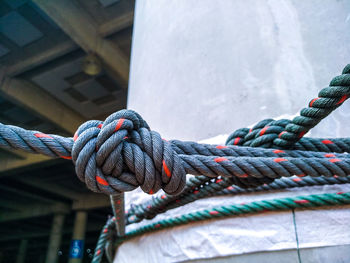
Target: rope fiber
(122, 153)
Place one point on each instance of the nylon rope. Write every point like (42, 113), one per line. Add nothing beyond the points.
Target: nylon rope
(122, 153)
(263, 206)
(218, 187)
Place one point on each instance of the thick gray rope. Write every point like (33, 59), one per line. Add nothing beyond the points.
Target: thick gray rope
(121, 153)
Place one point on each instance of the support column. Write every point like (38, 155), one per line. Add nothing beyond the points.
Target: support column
(55, 238)
(77, 245)
(21, 256)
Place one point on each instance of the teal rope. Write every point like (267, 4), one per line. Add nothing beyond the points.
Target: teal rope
(105, 234)
(285, 133)
(309, 201)
(218, 187)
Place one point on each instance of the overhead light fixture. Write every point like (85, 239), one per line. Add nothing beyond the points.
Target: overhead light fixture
(92, 64)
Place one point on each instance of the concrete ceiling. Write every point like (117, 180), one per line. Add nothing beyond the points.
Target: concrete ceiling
(41, 78)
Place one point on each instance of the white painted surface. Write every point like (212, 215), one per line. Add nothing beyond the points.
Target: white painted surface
(204, 68)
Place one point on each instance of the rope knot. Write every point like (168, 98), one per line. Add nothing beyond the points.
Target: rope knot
(122, 153)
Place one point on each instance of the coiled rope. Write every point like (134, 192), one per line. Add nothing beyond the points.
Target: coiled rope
(281, 204)
(218, 187)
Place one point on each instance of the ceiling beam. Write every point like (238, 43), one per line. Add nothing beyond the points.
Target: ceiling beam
(86, 202)
(108, 28)
(51, 187)
(91, 201)
(80, 26)
(81, 201)
(116, 24)
(41, 103)
(35, 211)
(15, 164)
(25, 194)
(35, 60)
(28, 235)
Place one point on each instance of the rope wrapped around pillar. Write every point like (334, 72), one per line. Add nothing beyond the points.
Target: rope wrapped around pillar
(122, 153)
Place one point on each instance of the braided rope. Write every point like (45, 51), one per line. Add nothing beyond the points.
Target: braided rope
(309, 201)
(122, 153)
(106, 234)
(218, 187)
(285, 133)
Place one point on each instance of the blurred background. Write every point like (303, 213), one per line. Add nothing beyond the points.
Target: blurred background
(52, 78)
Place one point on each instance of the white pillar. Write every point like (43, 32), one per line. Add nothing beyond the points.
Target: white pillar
(202, 68)
(209, 67)
(77, 245)
(55, 238)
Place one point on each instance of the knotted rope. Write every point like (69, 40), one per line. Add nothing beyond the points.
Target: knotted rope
(122, 153)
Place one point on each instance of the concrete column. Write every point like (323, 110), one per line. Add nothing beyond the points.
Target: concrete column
(21, 256)
(199, 70)
(77, 246)
(55, 238)
(205, 68)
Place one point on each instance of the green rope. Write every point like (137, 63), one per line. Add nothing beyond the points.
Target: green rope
(218, 187)
(285, 134)
(309, 201)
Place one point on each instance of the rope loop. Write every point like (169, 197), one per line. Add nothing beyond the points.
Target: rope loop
(122, 153)
(287, 133)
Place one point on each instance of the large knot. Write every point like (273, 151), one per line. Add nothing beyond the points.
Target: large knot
(265, 133)
(121, 153)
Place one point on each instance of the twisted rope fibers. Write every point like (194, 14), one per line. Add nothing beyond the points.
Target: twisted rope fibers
(106, 234)
(218, 187)
(121, 153)
(285, 134)
(281, 204)
(261, 132)
(309, 201)
(97, 152)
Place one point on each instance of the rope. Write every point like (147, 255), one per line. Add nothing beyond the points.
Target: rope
(284, 133)
(309, 201)
(107, 233)
(218, 187)
(119, 158)
(122, 153)
(281, 204)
